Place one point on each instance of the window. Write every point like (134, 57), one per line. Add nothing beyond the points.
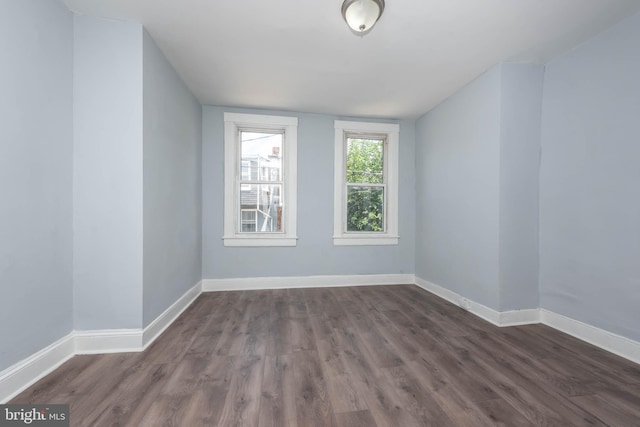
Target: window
(366, 184)
(260, 180)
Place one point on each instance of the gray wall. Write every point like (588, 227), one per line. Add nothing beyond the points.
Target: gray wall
(457, 191)
(107, 174)
(35, 176)
(315, 253)
(590, 182)
(172, 184)
(477, 189)
(519, 173)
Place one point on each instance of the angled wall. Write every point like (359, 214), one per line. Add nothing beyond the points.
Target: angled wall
(457, 191)
(172, 190)
(519, 175)
(590, 182)
(477, 157)
(137, 178)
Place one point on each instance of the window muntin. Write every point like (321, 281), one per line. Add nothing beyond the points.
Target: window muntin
(260, 176)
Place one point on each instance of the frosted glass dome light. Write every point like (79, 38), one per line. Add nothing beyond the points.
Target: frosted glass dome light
(362, 15)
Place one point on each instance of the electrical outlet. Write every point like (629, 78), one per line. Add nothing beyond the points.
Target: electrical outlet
(465, 303)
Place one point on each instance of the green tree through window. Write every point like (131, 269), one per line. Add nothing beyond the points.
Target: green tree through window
(365, 184)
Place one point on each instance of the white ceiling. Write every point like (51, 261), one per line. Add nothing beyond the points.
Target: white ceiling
(299, 54)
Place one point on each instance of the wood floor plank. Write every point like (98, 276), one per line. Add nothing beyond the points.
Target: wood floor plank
(502, 414)
(242, 405)
(464, 374)
(374, 304)
(415, 399)
(323, 301)
(206, 339)
(257, 324)
(313, 405)
(344, 393)
(437, 354)
(166, 411)
(598, 360)
(625, 397)
(380, 397)
(451, 399)
(540, 405)
(280, 339)
(607, 411)
(302, 338)
(355, 419)
(563, 380)
(355, 355)
(400, 340)
(559, 383)
(382, 356)
(204, 407)
(218, 372)
(284, 334)
(136, 395)
(57, 381)
(297, 303)
(233, 337)
(278, 401)
(180, 334)
(91, 393)
(379, 349)
(439, 316)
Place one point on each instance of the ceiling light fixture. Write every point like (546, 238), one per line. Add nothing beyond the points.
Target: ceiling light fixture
(362, 15)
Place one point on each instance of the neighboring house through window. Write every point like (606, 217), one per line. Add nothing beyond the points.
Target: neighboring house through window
(260, 180)
(366, 183)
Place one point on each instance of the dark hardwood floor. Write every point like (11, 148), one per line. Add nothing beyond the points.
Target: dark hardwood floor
(363, 356)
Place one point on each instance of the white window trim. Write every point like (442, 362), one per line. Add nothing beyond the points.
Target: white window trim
(233, 122)
(390, 236)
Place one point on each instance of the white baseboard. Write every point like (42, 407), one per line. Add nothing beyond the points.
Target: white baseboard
(162, 322)
(107, 341)
(255, 283)
(23, 374)
(480, 310)
(18, 377)
(622, 346)
(527, 316)
(616, 344)
(131, 340)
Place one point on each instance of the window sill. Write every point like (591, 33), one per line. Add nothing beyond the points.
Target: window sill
(262, 241)
(366, 240)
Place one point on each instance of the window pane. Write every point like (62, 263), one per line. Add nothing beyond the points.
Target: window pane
(246, 170)
(365, 208)
(248, 227)
(248, 215)
(365, 160)
(261, 204)
(261, 156)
